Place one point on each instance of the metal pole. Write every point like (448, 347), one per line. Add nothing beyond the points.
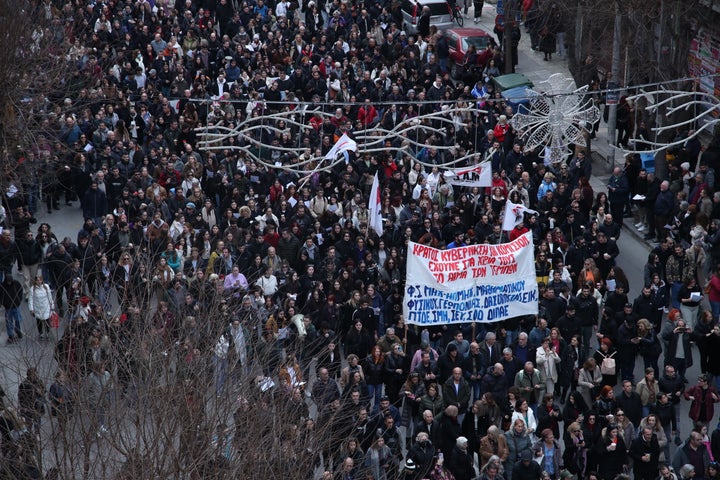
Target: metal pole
(579, 33)
(615, 75)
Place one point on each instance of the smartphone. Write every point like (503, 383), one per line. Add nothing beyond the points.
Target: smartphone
(441, 457)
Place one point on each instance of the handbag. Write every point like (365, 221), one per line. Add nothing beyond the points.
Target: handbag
(54, 320)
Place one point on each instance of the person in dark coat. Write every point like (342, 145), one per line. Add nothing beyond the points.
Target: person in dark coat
(422, 453)
(447, 362)
(629, 401)
(456, 391)
(474, 426)
(29, 256)
(645, 452)
(612, 453)
(423, 24)
(450, 430)
(460, 462)
(11, 294)
(703, 397)
(549, 415)
(679, 341)
(547, 40)
(494, 381)
(31, 400)
(95, 204)
(526, 469)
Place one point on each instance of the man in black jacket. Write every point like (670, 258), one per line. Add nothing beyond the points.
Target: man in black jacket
(526, 469)
(586, 311)
(29, 256)
(630, 403)
(645, 451)
(12, 296)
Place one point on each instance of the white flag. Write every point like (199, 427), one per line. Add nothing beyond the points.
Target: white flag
(479, 175)
(375, 221)
(343, 144)
(514, 215)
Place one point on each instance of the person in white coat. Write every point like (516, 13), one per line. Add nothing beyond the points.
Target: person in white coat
(547, 360)
(41, 305)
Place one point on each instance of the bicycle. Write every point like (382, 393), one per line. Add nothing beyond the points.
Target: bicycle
(458, 15)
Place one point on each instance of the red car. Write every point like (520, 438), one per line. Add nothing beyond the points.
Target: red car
(459, 40)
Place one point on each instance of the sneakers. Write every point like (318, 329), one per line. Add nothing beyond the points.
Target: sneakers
(638, 225)
(641, 229)
(102, 431)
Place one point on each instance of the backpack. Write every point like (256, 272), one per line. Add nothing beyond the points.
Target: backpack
(607, 367)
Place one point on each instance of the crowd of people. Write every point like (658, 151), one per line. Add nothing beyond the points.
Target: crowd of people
(233, 261)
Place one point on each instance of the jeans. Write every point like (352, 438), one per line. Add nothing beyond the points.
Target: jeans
(627, 369)
(675, 294)
(668, 434)
(586, 333)
(221, 369)
(443, 64)
(715, 308)
(375, 392)
(12, 322)
(475, 387)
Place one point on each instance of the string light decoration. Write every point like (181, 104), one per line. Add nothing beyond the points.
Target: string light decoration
(706, 108)
(558, 116)
(412, 133)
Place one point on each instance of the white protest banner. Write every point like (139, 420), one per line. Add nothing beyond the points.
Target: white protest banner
(477, 283)
(479, 175)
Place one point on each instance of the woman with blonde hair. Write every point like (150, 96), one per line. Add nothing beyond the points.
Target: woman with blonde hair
(575, 454)
(589, 273)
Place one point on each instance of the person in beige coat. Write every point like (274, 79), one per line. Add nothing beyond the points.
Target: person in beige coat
(493, 443)
(648, 389)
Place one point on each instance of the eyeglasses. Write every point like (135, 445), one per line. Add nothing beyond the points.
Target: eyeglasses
(619, 414)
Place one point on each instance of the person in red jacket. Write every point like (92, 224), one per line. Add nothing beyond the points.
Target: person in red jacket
(501, 129)
(702, 396)
(519, 230)
(367, 114)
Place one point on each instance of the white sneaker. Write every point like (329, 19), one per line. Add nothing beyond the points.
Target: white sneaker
(638, 225)
(641, 229)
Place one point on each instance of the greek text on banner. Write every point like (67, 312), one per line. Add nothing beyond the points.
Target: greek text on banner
(477, 283)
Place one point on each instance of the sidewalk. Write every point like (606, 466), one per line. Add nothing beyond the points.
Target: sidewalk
(532, 65)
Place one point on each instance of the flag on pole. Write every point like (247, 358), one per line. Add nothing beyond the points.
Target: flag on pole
(514, 215)
(479, 175)
(375, 221)
(343, 144)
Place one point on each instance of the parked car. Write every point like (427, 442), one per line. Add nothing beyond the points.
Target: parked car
(440, 14)
(459, 40)
(513, 88)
